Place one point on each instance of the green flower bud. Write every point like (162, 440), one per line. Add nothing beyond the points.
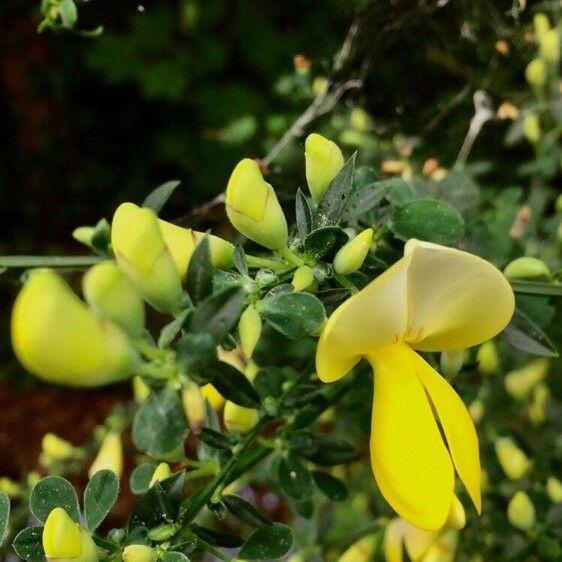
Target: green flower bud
(162, 472)
(253, 208)
(452, 362)
(541, 25)
(162, 532)
(521, 511)
(83, 234)
(512, 459)
(324, 160)
(249, 329)
(139, 553)
(56, 336)
(143, 256)
(303, 278)
(550, 46)
(351, 256)
(520, 382)
(239, 419)
(110, 456)
(532, 128)
(111, 294)
(554, 489)
(535, 73)
(526, 268)
(65, 541)
(488, 358)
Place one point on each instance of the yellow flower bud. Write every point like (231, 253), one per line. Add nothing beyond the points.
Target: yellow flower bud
(535, 73)
(193, 404)
(550, 46)
(303, 278)
(507, 111)
(457, 515)
(162, 472)
(83, 234)
(10, 487)
(140, 389)
(526, 268)
(541, 25)
(520, 382)
(513, 460)
(253, 208)
(110, 455)
(537, 408)
(554, 489)
(139, 553)
(558, 204)
(476, 411)
(532, 128)
(56, 337)
(213, 396)
(443, 549)
(488, 358)
(359, 119)
(324, 160)
(64, 540)
(521, 511)
(361, 551)
(111, 294)
(451, 362)
(249, 329)
(239, 419)
(351, 256)
(56, 448)
(142, 254)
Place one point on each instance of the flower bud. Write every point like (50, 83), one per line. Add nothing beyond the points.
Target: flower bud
(513, 460)
(507, 110)
(476, 411)
(193, 405)
(239, 419)
(140, 389)
(488, 358)
(457, 515)
(351, 256)
(550, 46)
(110, 456)
(521, 511)
(443, 549)
(56, 448)
(303, 278)
(142, 254)
(520, 382)
(213, 396)
(526, 268)
(64, 540)
(84, 234)
(537, 408)
(249, 329)
(361, 551)
(139, 553)
(56, 336)
(532, 128)
(324, 160)
(554, 489)
(111, 294)
(535, 73)
(10, 487)
(541, 25)
(451, 362)
(162, 472)
(253, 208)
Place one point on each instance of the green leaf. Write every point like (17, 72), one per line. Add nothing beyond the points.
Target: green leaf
(331, 451)
(157, 198)
(295, 315)
(325, 242)
(245, 511)
(234, 386)
(171, 556)
(153, 508)
(333, 488)
(216, 538)
(195, 353)
(522, 333)
(429, 220)
(219, 313)
(4, 515)
(52, 492)
(99, 497)
(365, 199)
(68, 13)
(267, 543)
(333, 202)
(141, 476)
(400, 192)
(303, 214)
(240, 260)
(160, 425)
(200, 272)
(171, 330)
(28, 544)
(269, 382)
(214, 439)
(294, 478)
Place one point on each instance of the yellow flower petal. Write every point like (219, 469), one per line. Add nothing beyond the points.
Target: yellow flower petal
(393, 537)
(418, 541)
(411, 464)
(457, 426)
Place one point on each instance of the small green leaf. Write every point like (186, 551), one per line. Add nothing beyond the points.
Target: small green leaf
(4, 515)
(294, 478)
(52, 492)
(216, 538)
(331, 451)
(28, 544)
(234, 386)
(267, 543)
(99, 497)
(269, 382)
(141, 476)
(68, 13)
(429, 220)
(200, 272)
(171, 556)
(400, 192)
(160, 425)
(214, 439)
(245, 511)
(171, 330)
(325, 242)
(522, 333)
(195, 353)
(153, 508)
(333, 488)
(295, 315)
(303, 214)
(157, 198)
(240, 260)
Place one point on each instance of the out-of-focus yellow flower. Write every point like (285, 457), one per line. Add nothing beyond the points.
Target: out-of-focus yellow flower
(512, 459)
(249, 329)
(303, 278)
(361, 551)
(537, 408)
(140, 389)
(193, 404)
(554, 489)
(507, 110)
(239, 419)
(416, 305)
(520, 382)
(550, 46)
(532, 128)
(64, 540)
(253, 208)
(351, 256)
(143, 256)
(521, 511)
(535, 73)
(162, 472)
(139, 553)
(213, 396)
(56, 336)
(488, 358)
(57, 448)
(10, 487)
(394, 166)
(110, 455)
(541, 25)
(451, 362)
(111, 294)
(526, 267)
(476, 411)
(324, 160)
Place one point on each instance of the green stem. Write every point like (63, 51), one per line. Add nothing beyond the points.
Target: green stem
(149, 351)
(208, 470)
(274, 265)
(291, 257)
(346, 283)
(27, 262)
(536, 288)
(163, 372)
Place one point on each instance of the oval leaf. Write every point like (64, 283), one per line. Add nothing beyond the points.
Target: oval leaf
(267, 543)
(234, 386)
(4, 515)
(52, 492)
(28, 544)
(99, 497)
(333, 488)
(141, 477)
(522, 333)
(245, 511)
(294, 478)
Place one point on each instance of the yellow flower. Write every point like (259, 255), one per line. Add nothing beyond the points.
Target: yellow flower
(249, 329)
(537, 408)
(433, 299)
(520, 382)
(512, 459)
(253, 208)
(193, 402)
(144, 257)
(57, 448)
(162, 472)
(550, 46)
(324, 160)
(541, 25)
(213, 396)
(56, 336)
(361, 551)
(532, 128)
(303, 278)
(535, 73)
(554, 489)
(488, 358)
(110, 455)
(64, 540)
(238, 418)
(139, 553)
(521, 511)
(141, 390)
(351, 256)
